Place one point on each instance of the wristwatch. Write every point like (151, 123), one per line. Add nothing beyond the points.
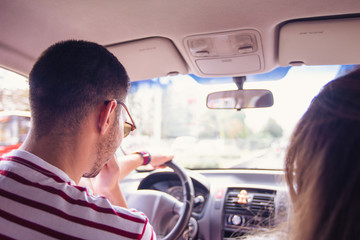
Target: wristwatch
(146, 156)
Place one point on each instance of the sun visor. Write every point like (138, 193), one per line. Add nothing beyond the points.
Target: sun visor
(321, 42)
(149, 58)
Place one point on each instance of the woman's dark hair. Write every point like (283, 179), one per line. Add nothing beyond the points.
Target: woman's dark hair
(323, 164)
(68, 80)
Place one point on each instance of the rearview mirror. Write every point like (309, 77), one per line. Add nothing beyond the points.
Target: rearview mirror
(239, 99)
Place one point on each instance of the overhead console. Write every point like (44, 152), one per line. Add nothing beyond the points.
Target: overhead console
(320, 42)
(234, 53)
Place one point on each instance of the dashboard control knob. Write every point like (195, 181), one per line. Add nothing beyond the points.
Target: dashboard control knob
(236, 220)
(198, 200)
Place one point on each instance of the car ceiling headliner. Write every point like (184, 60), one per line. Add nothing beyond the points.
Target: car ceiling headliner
(29, 27)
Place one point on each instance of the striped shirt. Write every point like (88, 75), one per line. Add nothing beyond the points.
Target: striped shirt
(39, 201)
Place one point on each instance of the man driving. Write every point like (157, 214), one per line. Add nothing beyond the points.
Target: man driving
(77, 94)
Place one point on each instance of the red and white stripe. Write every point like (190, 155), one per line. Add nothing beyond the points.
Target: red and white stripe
(40, 201)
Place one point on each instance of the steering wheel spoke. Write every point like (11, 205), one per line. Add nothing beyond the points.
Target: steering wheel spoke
(163, 210)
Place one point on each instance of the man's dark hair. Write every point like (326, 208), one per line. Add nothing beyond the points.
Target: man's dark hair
(68, 80)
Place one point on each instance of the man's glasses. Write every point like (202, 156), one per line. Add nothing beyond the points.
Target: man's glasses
(128, 127)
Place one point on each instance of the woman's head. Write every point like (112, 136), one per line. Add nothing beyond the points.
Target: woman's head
(323, 163)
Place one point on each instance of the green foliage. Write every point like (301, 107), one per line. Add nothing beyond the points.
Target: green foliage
(273, 128)
(224, 124)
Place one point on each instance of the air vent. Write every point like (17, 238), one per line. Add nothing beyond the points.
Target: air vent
(260, 202)
(263, 205)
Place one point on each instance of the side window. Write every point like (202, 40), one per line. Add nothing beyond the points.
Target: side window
(13, 128)
(14, 110)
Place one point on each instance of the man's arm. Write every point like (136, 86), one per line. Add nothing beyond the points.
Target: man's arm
(106, 183)
(130, 162)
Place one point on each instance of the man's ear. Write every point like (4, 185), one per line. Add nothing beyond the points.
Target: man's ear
(104, 120)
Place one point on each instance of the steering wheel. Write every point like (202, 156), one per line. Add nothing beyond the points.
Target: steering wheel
(163, 209)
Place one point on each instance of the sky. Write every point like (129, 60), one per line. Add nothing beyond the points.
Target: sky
(292, 94)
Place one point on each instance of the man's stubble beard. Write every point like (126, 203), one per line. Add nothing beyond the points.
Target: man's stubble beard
(105, 151)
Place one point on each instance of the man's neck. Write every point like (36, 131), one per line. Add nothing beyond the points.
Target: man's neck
(68, 154)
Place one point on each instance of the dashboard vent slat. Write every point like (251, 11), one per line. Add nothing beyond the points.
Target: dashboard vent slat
(260, 203)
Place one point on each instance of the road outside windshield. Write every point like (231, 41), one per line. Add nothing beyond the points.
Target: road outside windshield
(171, 116)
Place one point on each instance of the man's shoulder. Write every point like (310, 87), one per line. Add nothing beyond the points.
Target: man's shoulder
(41, 193)
(40, 184)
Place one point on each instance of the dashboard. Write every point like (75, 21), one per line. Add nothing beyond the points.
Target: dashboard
(169, 182)
(227, 203)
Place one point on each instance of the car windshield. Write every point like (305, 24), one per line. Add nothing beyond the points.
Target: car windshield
(171, 115)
